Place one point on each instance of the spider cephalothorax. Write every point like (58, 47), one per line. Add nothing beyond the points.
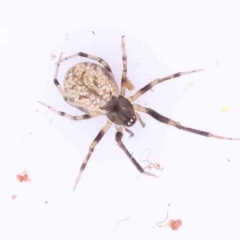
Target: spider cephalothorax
(92, 88)
(121, 111)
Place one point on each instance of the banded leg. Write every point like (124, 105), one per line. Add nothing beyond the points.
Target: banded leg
(91, 149)
(150, 85)
(98, 59)
(169, 121)
(84, 116)
(125, 83)
(60, 89)
(118, 138)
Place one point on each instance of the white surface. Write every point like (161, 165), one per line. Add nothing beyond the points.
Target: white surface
(162, 38)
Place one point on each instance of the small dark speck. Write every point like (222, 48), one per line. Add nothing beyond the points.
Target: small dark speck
(93, 33)
(37, 110)
(30, 133)
(46, 202)
(228, 160)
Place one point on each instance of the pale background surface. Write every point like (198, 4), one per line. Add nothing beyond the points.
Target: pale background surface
(200, 176)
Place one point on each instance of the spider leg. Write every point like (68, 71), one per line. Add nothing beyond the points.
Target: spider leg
(125, 83)
(169, 121)
(140, 119)
(129, 131)
(60, 89)
(150, 85)
(118, 138)
(91, 149)
(84, 116)
(86, 55)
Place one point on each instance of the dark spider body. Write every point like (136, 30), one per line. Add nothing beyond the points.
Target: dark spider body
(121, 111)
(92, 88)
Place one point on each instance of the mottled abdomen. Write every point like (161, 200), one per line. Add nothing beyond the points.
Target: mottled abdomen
(90, 87)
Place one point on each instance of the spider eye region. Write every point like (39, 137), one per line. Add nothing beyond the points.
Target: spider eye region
(121, 112)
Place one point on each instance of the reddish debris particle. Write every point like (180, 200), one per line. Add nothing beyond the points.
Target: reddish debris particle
(14, 197)
(175, 224)
(23, 177)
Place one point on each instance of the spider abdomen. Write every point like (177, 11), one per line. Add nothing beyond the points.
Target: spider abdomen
(90, 87)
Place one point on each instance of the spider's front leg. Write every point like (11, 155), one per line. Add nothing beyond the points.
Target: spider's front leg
(150, 85)
(125, 83)
(118, 138)
(169, 121)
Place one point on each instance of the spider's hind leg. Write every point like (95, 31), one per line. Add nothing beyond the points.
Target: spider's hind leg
(58, 86)
(63, 114)
(60, 89)
(86, 55)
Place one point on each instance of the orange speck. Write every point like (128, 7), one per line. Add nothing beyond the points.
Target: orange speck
(174, 225)
(128, 84)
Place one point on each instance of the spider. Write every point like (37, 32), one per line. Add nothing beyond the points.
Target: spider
(91, 88)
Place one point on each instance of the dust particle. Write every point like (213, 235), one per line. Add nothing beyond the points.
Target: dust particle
(14, 197)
